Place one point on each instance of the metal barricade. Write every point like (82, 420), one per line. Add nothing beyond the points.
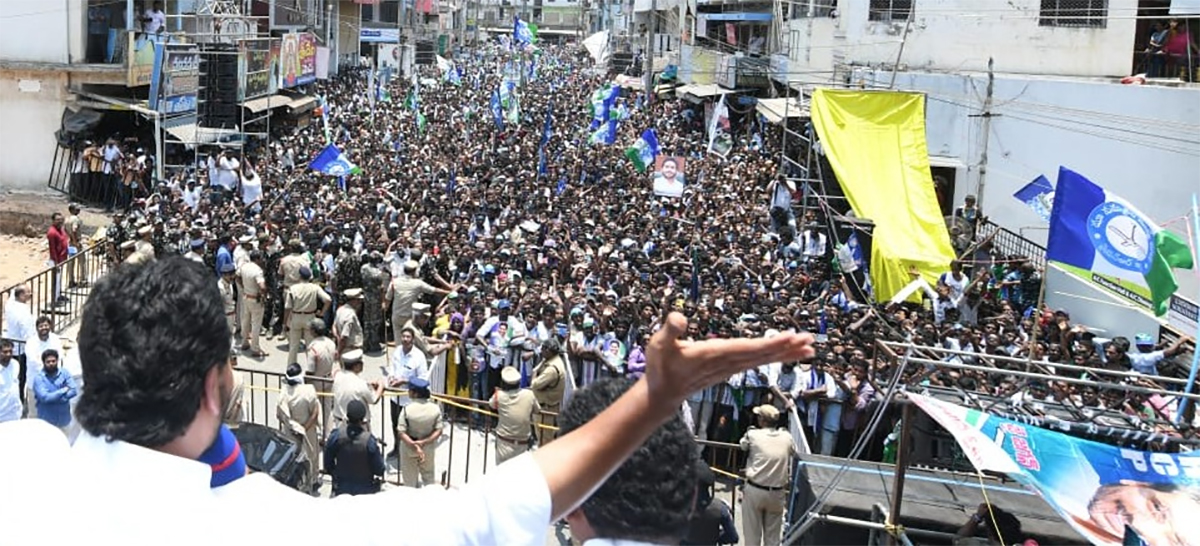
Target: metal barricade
(59, 292)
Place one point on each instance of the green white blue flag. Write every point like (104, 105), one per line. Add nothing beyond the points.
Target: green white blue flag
(1108, 241)
(643, 152)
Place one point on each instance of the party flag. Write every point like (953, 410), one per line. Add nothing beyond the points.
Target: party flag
(643, 152)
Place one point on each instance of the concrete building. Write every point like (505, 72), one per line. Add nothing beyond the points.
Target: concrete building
(75, 54)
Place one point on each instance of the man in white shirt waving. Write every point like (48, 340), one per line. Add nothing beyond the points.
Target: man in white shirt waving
(133, 476)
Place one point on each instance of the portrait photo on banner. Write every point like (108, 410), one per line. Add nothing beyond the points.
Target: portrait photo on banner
(669, 176)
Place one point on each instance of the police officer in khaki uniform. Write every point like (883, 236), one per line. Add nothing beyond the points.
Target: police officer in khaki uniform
(301, 304)
(768, 471)
(323, 365)
(548, 385)
(225, 285)
(349, 386)
(252, 284)
(346, 326)
(289, 266)
(419, 427)
(518, 409)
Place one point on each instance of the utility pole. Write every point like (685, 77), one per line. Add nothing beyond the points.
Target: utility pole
(648, 75)
(986, 129)
(901, 466)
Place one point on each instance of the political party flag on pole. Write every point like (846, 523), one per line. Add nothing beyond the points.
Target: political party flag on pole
(497, 111)
(333, 162)
(420, 122)
(513, 114)
(643, 151)
(606, 134)
(601, 104)
(524, 33)
(1102, 235)
(1039, 195)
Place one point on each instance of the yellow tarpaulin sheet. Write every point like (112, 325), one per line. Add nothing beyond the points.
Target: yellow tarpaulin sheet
(875, 142)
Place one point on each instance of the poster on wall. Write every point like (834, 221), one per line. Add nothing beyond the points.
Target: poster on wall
(297, 59)
(322, 63)
(389, 56)
(1099, 489)
(255, 69)
(176, 79)
(669, 179)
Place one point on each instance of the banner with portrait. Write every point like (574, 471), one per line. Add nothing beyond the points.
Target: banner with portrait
(176, 79)
(669, 176)
(297, 59)
(1098, 489)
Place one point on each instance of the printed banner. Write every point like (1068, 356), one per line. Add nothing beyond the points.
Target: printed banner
(1096, 488)
(256, 69)
(179, 80)
(298, 60)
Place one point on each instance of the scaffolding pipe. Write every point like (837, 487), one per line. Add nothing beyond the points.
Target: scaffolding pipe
(900, 532)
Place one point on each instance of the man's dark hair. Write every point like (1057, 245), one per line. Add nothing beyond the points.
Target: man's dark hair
(44, 319)
(5, 344)
(50, 352)
(149, 335)
(651, 496)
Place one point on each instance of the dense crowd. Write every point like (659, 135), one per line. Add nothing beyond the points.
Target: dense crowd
(508, 235)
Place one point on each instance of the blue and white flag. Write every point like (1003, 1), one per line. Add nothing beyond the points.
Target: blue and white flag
(524, 33)
(606, 134)
(1039, 195)
(1104, 238)
(856, 250)
(601, 103)
(497, 110)
(643, 152)
(333, 162)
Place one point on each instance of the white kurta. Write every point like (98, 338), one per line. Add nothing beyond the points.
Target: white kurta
(119, 493)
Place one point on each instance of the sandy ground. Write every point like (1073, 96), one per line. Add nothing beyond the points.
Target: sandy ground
(20, 256)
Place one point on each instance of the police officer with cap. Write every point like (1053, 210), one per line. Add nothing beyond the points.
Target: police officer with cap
(302, 302)
(418, 428)
(768, 470)
(518, 410)
(352, 455)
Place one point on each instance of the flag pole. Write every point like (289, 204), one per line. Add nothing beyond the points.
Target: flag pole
(1191, 382)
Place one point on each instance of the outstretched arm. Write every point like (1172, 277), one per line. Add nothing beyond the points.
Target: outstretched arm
(576, 464)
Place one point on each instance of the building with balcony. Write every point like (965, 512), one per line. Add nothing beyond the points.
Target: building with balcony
(1014, 89)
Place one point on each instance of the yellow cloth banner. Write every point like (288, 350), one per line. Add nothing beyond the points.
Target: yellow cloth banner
(875, 141)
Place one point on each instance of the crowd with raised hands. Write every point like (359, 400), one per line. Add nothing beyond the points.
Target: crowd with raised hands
(489, 234)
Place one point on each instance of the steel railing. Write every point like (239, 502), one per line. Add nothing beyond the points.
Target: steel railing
(71, 280)
(467, 421)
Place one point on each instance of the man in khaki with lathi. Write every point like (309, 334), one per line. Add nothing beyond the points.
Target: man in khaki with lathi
(303, 302)
(298, 412)
(549, 385)
(418, 428)
(518, 410)
(290, 265)
(768, 473)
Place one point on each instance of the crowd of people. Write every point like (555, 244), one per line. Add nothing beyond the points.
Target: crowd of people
(499, 252)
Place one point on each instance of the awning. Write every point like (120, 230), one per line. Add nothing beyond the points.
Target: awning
(268, 102)
(703, 90)
(777, 109)
(187, 132)
(302, 104)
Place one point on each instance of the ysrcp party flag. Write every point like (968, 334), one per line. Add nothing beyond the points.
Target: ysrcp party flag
(601, 103)
(1096, 488)
(1105, 239)
(333, 162)
(643, 152)
(720, 134)
(524, 32)
(606, 134)
(1039, 195)
(497, 110)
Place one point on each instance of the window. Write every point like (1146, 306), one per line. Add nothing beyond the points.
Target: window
(1074, 13)
(389, 12)
(820, 8)
(368, 12)
(889, 10)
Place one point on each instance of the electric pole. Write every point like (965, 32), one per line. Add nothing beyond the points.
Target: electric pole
(648, 76)
(986, 129)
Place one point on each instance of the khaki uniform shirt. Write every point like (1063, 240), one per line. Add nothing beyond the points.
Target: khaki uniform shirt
(518, 410)
(770, 461)
(347, 387)
(253, 279)
(305, 298)
(419, 419)
(322, 357)
(347, 325)
(290, 266)
(403, 292)
(549, 382)
(74, 227)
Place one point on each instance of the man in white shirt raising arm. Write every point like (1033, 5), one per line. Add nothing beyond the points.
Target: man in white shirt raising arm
(154, 347)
